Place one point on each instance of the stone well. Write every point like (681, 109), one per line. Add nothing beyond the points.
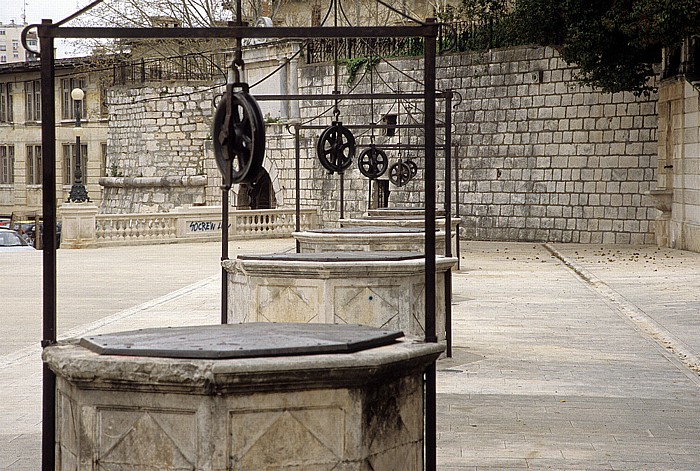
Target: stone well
(408, 221)
(367, 238)
(403, 211)
(140, 409)
(394, 221)
(379, 289)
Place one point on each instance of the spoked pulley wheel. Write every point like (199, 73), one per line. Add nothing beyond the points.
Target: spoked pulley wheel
(239, 137)
(399, 173)
(336, 148)
(413, 166)
(372, 162)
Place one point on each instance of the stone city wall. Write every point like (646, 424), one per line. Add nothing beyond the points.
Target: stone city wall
(157, 133)
(541, 157)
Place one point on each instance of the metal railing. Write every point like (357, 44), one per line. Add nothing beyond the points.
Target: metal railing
(210, 66)
(453, 36)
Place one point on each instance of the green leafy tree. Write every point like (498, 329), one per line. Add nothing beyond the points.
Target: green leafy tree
(614, 42)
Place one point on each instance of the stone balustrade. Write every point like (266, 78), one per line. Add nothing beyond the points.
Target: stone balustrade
(189, 224)
(134, 229)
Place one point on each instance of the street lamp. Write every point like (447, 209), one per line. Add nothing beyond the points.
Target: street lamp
(78, 192)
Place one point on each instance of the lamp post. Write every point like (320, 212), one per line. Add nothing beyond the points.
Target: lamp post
(78, 192)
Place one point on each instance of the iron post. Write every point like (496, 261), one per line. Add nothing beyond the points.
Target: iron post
(225, 191)
(448, 220)
(459, 221)
(48, 190)
(297, 180)
(429, 126)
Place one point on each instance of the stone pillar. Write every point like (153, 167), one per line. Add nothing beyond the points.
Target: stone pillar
(293, 78)
(284, 89)
(78, 225)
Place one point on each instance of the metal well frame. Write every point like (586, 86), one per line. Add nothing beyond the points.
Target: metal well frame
(48, 32)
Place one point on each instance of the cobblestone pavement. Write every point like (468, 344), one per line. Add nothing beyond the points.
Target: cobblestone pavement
(576, 357)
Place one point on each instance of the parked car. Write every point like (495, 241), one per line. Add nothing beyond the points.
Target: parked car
(27, 229)
(23, 228)
(11, 241)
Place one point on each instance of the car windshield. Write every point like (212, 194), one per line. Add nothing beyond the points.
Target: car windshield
(9, 239)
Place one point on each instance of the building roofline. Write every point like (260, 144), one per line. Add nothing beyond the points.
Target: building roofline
(35, 65)
(29, 66)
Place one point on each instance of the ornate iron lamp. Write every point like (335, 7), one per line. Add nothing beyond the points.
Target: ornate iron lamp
(78, 192)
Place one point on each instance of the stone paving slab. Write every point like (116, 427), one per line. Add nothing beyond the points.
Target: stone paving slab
(672, 297)
(558, 376)
(169, 285)
(550, 371)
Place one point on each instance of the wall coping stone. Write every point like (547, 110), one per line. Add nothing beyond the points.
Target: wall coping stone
(155, 182)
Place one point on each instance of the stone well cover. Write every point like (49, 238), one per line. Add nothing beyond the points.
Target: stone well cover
(260, 339)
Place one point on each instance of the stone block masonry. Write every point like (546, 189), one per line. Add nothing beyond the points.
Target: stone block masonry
(541, 157)
(157, 133)
(544, 158)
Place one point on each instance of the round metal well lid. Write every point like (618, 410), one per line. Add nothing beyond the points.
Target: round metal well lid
(252, 340)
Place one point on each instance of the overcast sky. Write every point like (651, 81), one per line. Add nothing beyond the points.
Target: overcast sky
(38, 9)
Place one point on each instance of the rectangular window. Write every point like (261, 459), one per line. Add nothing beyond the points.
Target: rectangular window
(7, 165)
(34, 165)
(390, 120)
(104, 110)
(32, 100)
(69, 163)
(3, 58)
(6, 102)
(67, 86)
(3, 47)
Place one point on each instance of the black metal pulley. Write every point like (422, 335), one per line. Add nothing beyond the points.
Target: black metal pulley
(372, 162)
(413, 166)
(239, 137)
(399, 173)
(336, 148)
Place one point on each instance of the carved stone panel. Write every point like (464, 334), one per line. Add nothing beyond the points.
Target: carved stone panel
(146, 439)
(287, 303)
(272, 439)
(68, 423)
(377, 306)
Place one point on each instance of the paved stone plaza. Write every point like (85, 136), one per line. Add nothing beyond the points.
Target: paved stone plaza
(580, 357)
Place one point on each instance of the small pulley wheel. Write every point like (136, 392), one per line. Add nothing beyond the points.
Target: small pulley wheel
(372, 162)
(336, 148)
(239, 139)
(399, 173)
(413, 166)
